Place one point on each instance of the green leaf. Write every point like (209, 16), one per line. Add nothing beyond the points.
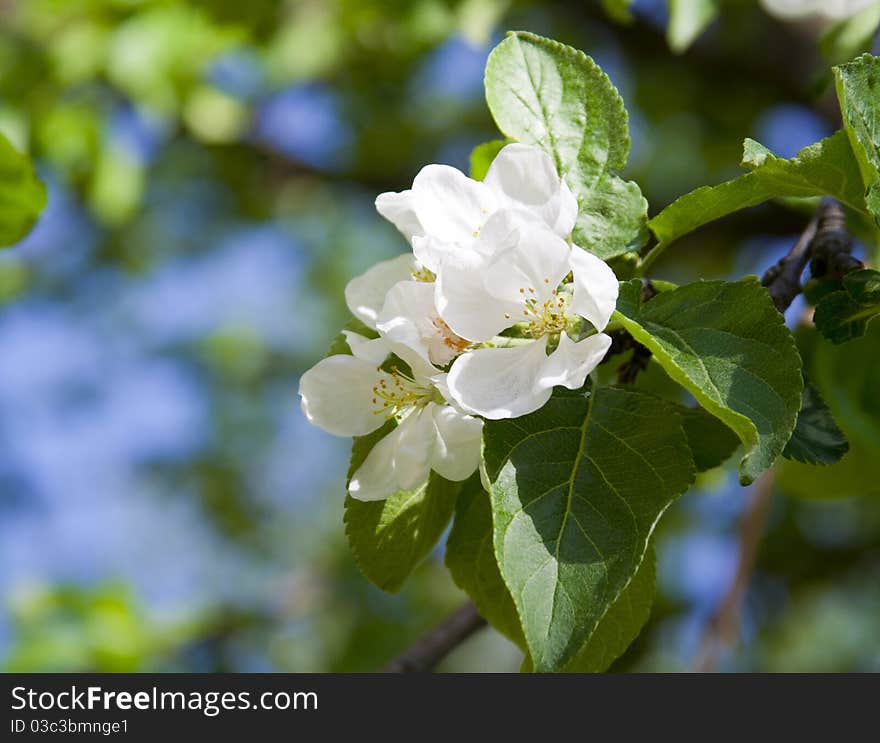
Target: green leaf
(22, 194)
(390, 538)
(576, 490)
(687, 20)
(470, 557)
(711, 442)
(843, 315)
(852, 35)
(728, 346)
(858, 90)
(552, 96)
(483, 155)
(618, 10)
(817, 439)
(621, 623)
(824, 168)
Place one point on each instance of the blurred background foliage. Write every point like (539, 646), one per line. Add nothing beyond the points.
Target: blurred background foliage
(211, 170)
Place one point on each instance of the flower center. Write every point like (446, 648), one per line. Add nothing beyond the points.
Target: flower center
(544, 317)
(396, 396)
(446, 344)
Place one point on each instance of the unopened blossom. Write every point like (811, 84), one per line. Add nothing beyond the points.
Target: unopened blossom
(445, 210)
(353, 395)
(525, 279)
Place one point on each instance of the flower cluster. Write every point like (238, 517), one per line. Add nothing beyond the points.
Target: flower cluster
(492, 309)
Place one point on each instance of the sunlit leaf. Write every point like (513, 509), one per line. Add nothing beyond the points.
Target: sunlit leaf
(555, 97)
(728, 346)
(576, 490)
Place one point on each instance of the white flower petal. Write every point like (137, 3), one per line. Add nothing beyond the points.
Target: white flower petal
(373, 350)
(408, 305)
(365, 294)
(457, 446)
(400, 461)
(500, 382)
(337, 395)
(569, 365)
(595, 288)
(525, 176)
(398, 209)
(409, 318)
(451, 207)
(531, 268)
(431, 252)
(503, 230)
(465, 305)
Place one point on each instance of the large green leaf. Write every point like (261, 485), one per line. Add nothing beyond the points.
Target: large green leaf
(576, 490)
(470, 557)
(390, 538)
(824, 168)
(22, 194)
(843, 315)
(858, 90)
(711, 442)
(729, 347)
(555, 97)
(620, 625)
(687, 20)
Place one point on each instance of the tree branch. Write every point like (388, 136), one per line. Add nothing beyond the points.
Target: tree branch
(825, 244)
(433, 647)
(783, 280)
(723, 626)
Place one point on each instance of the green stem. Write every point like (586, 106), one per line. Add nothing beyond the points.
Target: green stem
(650, 257)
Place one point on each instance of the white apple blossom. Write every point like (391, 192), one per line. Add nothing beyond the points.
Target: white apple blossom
(523, 276)
(355, 395)
(445, 210)
(409, 317)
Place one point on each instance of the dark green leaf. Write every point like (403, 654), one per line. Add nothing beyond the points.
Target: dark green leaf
(848, 378)
(712, 443)
(728, 346)
(546, 94)
(843, 315)
(576, 490)
(816, 439)
(470, 557)
(22, 194)
(620, 625)
(390, 538)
